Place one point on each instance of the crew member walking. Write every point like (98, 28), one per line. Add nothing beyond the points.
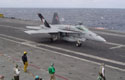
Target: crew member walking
(102, 70)
(100, 77)
(25, 61)
(51, 70)
(16, 73)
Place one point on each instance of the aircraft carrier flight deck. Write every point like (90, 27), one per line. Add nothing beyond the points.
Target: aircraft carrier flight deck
(72, 60)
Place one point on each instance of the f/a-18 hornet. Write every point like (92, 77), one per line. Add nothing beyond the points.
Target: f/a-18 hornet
(71, 33)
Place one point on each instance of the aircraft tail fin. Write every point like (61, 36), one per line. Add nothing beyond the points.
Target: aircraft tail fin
(55, 18)
(43, 20)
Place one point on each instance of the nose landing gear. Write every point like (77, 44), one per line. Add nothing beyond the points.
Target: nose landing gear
(78, 44)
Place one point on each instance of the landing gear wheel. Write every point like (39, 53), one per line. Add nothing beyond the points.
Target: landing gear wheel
(78, 44)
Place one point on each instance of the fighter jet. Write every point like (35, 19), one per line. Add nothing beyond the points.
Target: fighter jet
(71, 33)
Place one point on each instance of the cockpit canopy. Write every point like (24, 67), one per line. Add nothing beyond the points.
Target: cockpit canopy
(81, 28)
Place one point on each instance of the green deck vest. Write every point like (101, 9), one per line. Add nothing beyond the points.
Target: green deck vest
(51, 70)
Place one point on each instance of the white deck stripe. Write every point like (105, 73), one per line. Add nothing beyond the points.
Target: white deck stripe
(121, 63)
(79, 53)
(13, 27)
(107, 33)
(117, 47)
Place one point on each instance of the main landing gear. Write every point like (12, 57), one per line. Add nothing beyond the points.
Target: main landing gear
(53, 38)
(78, 44)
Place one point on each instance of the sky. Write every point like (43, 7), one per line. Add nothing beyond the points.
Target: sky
(62, 3)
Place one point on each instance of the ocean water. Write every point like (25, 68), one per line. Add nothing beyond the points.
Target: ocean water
(113, 19)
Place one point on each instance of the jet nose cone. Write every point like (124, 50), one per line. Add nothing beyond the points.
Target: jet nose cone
(102, 39)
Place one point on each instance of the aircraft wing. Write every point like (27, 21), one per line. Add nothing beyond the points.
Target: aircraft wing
(40, 31)
(47, 31)
(46, 28)
(33, 27)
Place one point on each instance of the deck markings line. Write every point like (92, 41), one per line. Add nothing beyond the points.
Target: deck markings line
(116, 44)
(79, 53)
(13, 27)
(117, 47)
(30, 45)
(111, 34)
(14, 60)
